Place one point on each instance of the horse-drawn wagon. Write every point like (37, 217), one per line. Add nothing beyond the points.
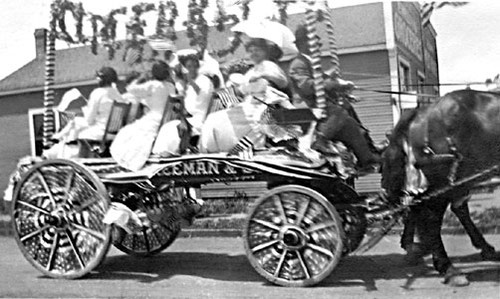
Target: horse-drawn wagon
(294, 235)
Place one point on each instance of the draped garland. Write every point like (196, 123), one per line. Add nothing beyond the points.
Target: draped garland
(196, 24)
(282, 7)
(104, 26)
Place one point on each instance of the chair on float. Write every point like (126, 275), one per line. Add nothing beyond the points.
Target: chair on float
(117, 119)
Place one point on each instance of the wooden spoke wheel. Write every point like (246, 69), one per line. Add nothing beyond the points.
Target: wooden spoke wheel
(164, 227)
(57, 214)
(293, 236)
(147, 241)
(354, 224)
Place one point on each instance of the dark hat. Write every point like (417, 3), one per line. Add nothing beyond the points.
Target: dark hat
(107, 75)
(300, 33)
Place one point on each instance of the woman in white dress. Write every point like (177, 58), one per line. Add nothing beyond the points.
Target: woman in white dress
(132, 145)
(92, 125)
(263, 83)
(198, 93)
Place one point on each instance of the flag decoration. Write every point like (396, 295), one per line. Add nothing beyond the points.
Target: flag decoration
(243, 149)
(428, 7)
(133, 56)
(224, 98)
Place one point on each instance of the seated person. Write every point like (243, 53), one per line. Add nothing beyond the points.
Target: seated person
(176, 134)
(261, 86)
(137, 107)
(341, 123)
(132, 145)
(92, 125)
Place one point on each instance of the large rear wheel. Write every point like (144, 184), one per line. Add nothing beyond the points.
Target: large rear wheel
(293, 236)
(57, 214)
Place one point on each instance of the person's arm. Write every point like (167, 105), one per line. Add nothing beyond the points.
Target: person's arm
(90, 110)
(205, 88)
(193, 83)
(301, 75)
(273, 73)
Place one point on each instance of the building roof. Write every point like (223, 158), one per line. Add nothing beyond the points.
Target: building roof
(76, 66)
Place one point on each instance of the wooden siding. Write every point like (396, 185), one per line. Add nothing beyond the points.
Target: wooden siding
(14, 144)
(375, 111)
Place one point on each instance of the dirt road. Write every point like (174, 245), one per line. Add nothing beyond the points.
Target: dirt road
(218, 268)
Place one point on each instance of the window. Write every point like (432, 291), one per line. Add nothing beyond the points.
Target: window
(404, 75)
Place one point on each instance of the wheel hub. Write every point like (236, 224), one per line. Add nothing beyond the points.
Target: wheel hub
(293, 237)
(57, 219)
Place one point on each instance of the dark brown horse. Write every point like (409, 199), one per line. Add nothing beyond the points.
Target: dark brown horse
(456, 137)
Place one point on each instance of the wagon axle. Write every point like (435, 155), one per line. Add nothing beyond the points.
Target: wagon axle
(59, 220)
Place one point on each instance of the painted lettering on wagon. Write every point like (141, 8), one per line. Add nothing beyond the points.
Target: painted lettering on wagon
(198, 168)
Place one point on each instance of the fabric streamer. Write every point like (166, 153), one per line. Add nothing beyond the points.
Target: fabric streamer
(319, 86)
(48, 95)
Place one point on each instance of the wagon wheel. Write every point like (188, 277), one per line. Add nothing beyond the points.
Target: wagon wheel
(293, 236)
(354, 224)
(147, 241)
(165, 225)
(57, 215)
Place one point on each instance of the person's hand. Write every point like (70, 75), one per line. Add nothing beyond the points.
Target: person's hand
(184, 72)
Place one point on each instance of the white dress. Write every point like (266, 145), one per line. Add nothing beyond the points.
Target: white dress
(132, 145)
(90, 127)
(223, 129)
(95, 116)
(196, 104)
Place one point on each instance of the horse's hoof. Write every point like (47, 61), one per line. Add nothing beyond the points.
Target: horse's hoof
(457, 281)
(414, 255)
(414, 260)
(455, 278)
(489, 254)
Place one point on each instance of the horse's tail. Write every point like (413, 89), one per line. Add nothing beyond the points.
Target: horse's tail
(394, 157)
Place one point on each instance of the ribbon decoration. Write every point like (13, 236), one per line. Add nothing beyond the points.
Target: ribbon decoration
(315, 51)
(332, 42)
(48, 92)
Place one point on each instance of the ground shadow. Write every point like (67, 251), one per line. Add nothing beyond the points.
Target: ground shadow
(354, 271)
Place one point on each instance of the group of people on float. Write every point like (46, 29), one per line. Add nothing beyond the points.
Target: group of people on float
(263, 84)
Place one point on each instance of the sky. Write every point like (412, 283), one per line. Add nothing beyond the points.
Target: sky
(468, 37)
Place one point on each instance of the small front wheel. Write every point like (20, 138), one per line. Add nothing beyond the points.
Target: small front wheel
(293, 236)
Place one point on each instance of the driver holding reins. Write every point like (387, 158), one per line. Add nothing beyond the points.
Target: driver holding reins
(341, 123)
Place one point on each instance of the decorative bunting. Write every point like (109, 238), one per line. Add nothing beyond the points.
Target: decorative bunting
(314, 47)
(332, 42)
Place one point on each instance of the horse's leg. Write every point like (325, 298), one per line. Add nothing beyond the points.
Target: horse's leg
(430, 220)
(414, 250)
(463, 215)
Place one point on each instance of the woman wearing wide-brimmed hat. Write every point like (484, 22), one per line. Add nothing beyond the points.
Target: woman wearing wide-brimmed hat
(262, 85)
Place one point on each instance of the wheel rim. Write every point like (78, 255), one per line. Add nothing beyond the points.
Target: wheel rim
(293, 236)
(146, 241)
(57, 212)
